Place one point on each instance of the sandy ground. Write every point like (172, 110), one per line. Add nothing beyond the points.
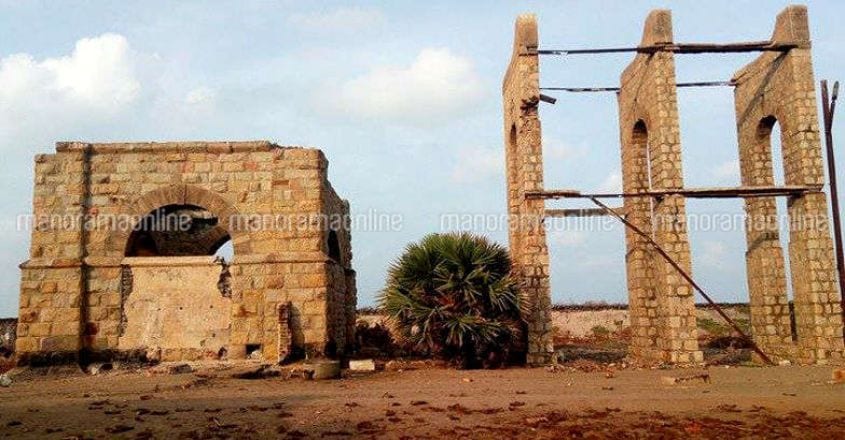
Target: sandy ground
(429, 403)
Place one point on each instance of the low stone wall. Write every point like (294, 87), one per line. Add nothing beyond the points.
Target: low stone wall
(587, 321)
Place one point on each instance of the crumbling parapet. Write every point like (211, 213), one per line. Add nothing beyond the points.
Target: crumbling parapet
(524, 157)
(661, 301)
(780, 88)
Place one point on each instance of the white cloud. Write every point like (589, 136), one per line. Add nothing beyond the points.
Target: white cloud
(436, 87)
(612, 183)
(93, 83)
(98, 74)
(344, 19)
(474, 164)
(728, 171)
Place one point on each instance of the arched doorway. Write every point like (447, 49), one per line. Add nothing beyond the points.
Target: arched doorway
(177, 295)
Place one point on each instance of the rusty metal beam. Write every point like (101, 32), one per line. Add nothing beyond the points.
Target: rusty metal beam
(703, 193)
(581, 212)
(687, 277)
(616, 89)
(680, 48)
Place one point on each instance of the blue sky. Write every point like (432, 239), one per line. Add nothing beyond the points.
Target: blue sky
(403, 97)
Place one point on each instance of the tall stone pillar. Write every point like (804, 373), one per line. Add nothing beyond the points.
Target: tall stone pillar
(661, 301)
(524, 157)
(779, 87)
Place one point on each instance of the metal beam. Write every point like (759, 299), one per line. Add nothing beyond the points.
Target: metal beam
(582, 212)
(616, 89)
(681, 48)
(702, 193)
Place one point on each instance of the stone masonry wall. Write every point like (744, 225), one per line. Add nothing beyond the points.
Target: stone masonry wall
(662, 303)
(71, 290)
(779, 87)
(341, 300)
(524, 164)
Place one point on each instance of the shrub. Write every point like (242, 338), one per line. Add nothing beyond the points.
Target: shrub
(452, 295)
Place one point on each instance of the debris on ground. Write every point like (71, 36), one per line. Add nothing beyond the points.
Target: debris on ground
(98, 368)
(263, 371)
(696, 378)
(180, 369)
(362, 365)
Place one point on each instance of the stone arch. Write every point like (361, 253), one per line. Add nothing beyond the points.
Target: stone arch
(772, 323)
(229, 218)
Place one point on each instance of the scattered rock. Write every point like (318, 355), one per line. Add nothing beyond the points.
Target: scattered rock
(95, 369)
(263, 371)
(365, 426)
(838, 376)
(322, 370)
(513, 406)
(362, 365)
(117, 429)
(702, 378)
(180, 369)
(534, 421)
(5, 380)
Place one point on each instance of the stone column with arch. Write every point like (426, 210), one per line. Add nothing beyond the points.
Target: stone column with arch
(661, 302)
(524, 166)
(779, 87)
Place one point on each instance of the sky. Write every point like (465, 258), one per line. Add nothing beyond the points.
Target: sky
(404, 98)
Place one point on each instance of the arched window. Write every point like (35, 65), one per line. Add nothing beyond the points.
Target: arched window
(177, 230)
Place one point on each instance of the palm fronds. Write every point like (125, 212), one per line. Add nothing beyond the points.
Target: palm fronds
(452, 294)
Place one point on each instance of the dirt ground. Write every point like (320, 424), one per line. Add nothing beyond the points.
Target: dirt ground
(429, 403)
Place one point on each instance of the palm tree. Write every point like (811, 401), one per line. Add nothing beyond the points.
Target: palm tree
(452, 295)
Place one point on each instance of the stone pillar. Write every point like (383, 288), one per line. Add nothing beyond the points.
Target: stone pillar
(524, 157)
(779, 87)
(52, 280)
(285, 345)
(661, 301)
(639, 258)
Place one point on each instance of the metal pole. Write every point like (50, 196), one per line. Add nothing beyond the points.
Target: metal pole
(687, 277)
(828, 108)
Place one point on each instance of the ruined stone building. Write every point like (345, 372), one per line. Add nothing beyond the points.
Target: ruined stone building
(123, 243)
(776, 87)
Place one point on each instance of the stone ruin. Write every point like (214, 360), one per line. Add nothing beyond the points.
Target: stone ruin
(779, 87)
(122, 259)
